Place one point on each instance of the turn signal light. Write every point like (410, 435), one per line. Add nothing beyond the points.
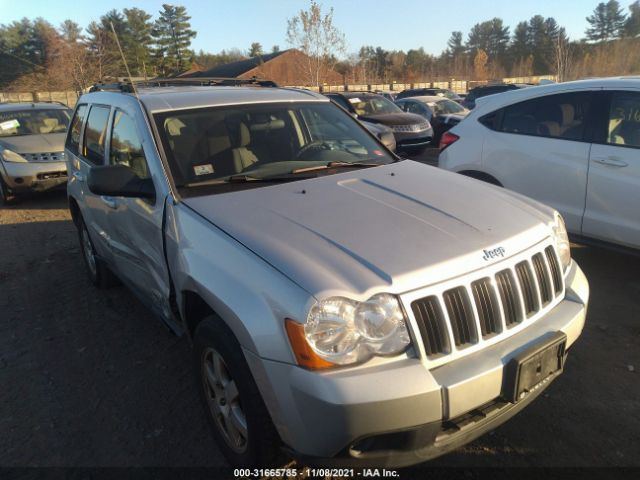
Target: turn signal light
(305, 356)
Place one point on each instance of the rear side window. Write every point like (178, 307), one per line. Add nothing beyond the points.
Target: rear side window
(556, 116)
(341, 101)
(73, 139)
(623, 127)
(94, 135)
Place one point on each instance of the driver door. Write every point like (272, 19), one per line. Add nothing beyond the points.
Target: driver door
(136, 224)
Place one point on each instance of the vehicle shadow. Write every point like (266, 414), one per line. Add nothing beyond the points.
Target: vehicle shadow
(52, 199)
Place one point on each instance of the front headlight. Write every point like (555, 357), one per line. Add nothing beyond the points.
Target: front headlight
(11, 156)
(341, 331)
(561, 239)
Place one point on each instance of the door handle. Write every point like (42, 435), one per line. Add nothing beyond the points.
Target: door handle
(109, 202)
(611, 161)
(78, 176)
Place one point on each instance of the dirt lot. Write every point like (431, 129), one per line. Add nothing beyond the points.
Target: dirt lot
(89, 378)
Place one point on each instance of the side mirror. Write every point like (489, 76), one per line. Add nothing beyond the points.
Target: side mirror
(119, 181)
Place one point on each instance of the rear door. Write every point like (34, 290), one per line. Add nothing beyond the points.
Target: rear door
(87, 148)
(135, 224)
(538, 147)
(612, 210)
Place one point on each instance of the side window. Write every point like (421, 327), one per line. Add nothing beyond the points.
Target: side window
(94, 135)
(624, 119)
(556, 116)
(126, 146)
(73, 138)
(414, 107)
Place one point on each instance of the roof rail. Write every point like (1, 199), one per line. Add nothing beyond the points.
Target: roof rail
(126, 86)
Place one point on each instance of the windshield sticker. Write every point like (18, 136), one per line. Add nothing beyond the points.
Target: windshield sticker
(203, 169)
(8, 125)
(355, 100)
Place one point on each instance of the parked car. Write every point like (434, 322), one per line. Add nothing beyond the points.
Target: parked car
(310, 267)
(441, 112)
(32, 147)
(413, 133)
(384, 134)
(388, 94)
(574, 146)
(469, 101)
(429, 92)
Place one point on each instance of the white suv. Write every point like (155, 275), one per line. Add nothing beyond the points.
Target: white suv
(574, 146)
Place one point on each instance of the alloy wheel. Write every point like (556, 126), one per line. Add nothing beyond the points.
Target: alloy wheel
(223, 399)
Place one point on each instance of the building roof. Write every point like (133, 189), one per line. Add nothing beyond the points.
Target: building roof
(235, 69)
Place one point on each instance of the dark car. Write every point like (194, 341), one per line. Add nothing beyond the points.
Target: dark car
(484, 90)
(429, 92)
(441, 112)
(413, 133)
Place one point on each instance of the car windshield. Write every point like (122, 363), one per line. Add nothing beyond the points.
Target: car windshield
(373, 105)
(214, 146)
(447, 94)
(33, 121)
(445, 107)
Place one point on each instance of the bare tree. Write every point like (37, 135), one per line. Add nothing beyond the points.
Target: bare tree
(314, 34)
(562, 53)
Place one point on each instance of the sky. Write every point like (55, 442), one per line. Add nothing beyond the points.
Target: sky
(400, 25)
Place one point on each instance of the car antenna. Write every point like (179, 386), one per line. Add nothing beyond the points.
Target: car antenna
(124, 60)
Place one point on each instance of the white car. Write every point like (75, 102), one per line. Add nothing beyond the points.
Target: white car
(574, 146)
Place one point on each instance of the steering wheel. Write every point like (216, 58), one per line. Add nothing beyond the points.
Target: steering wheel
(317, 145)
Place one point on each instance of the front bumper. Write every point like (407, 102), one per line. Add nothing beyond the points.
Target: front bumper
(413, 140)
(33, 176)
(399, 413)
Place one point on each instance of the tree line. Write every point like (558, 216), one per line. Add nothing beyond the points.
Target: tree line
(36, 54)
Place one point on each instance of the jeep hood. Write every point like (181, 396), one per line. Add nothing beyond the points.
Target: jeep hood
(392, 228)
(37, 143)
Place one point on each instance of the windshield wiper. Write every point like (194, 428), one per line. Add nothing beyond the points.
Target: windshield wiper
(274, 178)
(335, 165)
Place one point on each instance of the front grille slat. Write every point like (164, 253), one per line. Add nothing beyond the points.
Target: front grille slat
(487, 306)
(431, 324)
(465, 315)
(460, 315)
(544, 281)
(555, 269)
(509, 297)
(528, 288)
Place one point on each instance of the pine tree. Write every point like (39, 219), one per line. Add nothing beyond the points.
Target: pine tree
(454, 45)
(255, 50)
(173, 35)
(606, 22)
(137, 41)
(632, 25)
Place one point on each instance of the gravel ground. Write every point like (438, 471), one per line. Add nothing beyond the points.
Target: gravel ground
(90, 378)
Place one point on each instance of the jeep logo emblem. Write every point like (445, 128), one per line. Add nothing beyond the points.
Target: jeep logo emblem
(496, 252)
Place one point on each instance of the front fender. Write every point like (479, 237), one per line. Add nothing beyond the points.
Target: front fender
(251, 296)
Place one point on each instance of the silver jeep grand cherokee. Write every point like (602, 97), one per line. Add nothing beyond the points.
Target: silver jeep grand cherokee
(345, 307)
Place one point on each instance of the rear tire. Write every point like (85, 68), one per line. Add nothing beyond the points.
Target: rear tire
(238, 417)
(99, 274)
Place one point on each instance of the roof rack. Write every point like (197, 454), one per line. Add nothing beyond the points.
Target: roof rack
(127, 86)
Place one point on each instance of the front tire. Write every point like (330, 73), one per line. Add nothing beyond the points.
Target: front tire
(238, 417)
(5, 197)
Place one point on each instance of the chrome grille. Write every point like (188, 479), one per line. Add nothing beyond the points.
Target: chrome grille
(416, 127)
(44, 157)
(489, 306)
